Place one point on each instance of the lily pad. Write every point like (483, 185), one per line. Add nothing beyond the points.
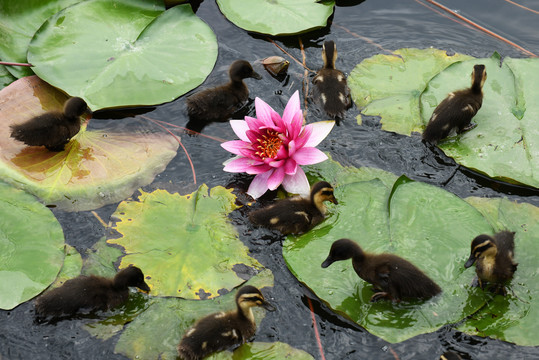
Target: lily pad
(277, 17)
(20, 19)
(98, 167)
(411, 219)
(30, 256)
(513, 317)
(184, 244)
(71, 268)
(143, 56)
(263, 351)
(100, 259)
(5, 77)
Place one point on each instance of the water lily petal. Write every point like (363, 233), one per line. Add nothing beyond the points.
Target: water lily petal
(235, 146)
(252, 136)
(320, 130)
(294, 127)
(258, 169)
(250, 153)
(277, 163)
(253, 123)
(238, 164)
(290, 167)
(297, 183)
(259, 185)
(240, 127)
(305, 134)
(292, 107)
(291, 148)
(309, 156)
(282, 153)
(276, 178)
(265, 113)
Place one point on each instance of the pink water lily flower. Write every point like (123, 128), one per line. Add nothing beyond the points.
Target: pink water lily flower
(272, 147)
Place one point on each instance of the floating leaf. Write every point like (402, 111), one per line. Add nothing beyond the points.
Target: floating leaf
(30, 256)
(5, 77)
(71, 268)
(283, 17)
(262, 351)
(185, 245)
(100, 259)
(143, 56)
(98, 167)
(513, 317)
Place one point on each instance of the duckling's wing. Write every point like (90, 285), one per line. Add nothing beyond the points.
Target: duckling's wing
(287, 216)
(46, 129)
(331, 92)
(216, 103)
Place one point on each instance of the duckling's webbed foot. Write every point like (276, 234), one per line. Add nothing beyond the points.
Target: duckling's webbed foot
(468, 127)
(380, 295)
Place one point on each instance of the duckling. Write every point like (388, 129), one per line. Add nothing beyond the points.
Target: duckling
(222, 330)
(53, 129)
(330, 88)
(457, 109)
(89, 293)
(392, 276)
(296, 215)
(219, 103)
(494, 257)
(450, 355)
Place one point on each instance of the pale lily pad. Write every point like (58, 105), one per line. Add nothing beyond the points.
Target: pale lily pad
(426, 225)
(31, 247)
(185, 244)
(97, 167)
(20, 19)
(143, 56)
(513, 317)
(71, 268)
(262, 351)
(278, 17)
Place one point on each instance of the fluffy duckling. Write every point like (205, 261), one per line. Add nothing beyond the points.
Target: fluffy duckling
(494, 257)
(457, 109)
(296, 215)
(88, 293)
(222, 330)
(53, 129)
(219, 103)
(392, 276)
(330, 88)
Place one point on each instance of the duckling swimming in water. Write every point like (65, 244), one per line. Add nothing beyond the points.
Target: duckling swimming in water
(53, 129)
(296, 215)
(330, 87)
(392, 276)
(222, 330)
(457, 109)
(89, 293)
(219, 103)
(494, 257)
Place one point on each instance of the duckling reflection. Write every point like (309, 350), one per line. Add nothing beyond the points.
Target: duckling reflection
(393, 277)
(53, 129)
(296, 215)
(90, 293)
(222, 330)
(456, 111)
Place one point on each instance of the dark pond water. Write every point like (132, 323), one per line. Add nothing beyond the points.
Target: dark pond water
(391, 24)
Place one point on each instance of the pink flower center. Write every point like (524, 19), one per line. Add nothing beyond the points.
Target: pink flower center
(268, 144)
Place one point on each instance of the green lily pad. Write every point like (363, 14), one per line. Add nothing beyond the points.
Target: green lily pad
(144, 56)
(20, 19)
(30, 256)
(100, 259)
(71, 268)
(277, 17)
(98, 167)
(513, 317)
(411, 219)
(5, 77)
(184, 244)
(262, 351)
(171, 317)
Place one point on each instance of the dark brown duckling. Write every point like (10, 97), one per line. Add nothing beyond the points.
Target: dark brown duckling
(296, 215)
(392, 276)
(456, 111)
(219, 103)
(89, 293)
(494, 257)
(222, 330)
(330, 88)
(53, 129)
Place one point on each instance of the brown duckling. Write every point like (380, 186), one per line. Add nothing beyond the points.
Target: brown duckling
(89, 293)
(222, 330)
(330, 88)
(53, 129)
(296, 215)
(456, 111)
(494, 257)
(392, 276)
(219, 103)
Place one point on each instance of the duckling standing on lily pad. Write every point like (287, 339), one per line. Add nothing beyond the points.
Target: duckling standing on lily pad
(222, 330)
(219, 103)
(89, 293)
(53, 129)
(296, 215)
(392, 276)
(330, 88)
(456, 111)
(494, 260)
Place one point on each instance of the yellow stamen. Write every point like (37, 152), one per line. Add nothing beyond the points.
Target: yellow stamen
(268, 144)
